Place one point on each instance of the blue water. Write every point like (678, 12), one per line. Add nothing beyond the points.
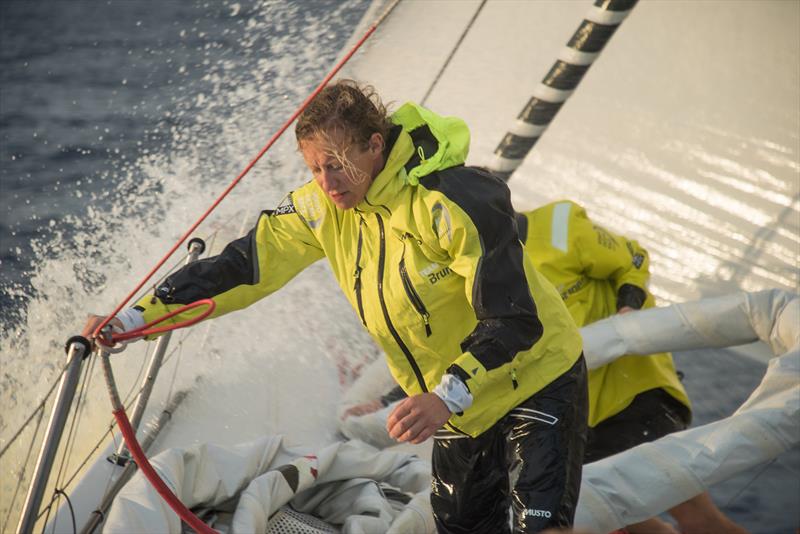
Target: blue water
(90, 89)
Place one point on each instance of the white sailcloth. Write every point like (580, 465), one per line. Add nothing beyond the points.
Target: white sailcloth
(651, 478)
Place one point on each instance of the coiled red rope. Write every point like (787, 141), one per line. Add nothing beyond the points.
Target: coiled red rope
(148, 329)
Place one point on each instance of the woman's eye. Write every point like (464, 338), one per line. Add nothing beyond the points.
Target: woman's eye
(334, 167)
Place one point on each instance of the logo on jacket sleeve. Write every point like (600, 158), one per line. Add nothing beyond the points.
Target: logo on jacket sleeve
(530, 512)
(310, 206)
(285, 207)
(636, 258)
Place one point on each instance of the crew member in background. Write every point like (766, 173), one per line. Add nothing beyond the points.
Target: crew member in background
(633, 399)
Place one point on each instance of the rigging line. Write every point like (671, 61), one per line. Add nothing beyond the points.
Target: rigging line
(128, 402)
(24, 468)
(33, 413)
(88, 457)
(452, 52)
(71, 511)
(252, 163)
(144, 359)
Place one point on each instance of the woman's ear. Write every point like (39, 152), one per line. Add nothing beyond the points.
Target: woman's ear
(376, 144)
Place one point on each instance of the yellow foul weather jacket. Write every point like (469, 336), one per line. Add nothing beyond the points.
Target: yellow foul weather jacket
(430, 260)
(589, 266)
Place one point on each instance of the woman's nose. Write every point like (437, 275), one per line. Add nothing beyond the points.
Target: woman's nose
(327, 180)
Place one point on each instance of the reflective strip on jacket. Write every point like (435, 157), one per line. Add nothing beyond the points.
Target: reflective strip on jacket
(430, 260)
(588, 264)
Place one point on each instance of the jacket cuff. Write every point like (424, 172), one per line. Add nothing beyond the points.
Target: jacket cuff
(454, 393)
(470, 371)
(131, 318)
(631, 296)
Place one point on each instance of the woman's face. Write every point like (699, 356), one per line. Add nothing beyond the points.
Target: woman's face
(342, 168)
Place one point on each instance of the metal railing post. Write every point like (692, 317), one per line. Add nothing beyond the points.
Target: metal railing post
(121, 456)
(78, 348)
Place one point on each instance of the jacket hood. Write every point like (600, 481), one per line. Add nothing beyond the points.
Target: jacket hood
(439, 142)
(427, 143)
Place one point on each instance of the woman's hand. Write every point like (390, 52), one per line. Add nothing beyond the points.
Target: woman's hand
(93, 321)
(416, 418)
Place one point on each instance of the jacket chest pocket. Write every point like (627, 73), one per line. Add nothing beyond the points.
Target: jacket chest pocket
(425, 286)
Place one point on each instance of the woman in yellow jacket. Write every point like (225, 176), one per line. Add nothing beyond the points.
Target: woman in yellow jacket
(633, 399)
(427, 252)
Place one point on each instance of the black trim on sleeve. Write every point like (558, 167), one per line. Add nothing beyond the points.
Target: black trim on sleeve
(236, 265)
(459, 373)
(508, 322)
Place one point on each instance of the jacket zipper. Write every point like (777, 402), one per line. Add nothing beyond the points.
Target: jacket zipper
(395, 335)
(357, 273)
(412, 294)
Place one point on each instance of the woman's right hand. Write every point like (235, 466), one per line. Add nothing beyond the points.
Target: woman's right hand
(93, 321)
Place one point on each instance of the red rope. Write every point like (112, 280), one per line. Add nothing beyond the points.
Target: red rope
(235, 182)
(141, 461)
(148, 329)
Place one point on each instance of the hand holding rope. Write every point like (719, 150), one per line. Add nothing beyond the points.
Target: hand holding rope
(109, 339)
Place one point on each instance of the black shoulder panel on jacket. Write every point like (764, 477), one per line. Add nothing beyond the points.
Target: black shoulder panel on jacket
(507, 318)
(236, 265)
(424, 141)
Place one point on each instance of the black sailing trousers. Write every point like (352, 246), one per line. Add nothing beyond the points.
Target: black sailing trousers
(521, 475)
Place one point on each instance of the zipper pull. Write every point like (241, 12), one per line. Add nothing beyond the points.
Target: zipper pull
(426, 317)
(357, 276)
(514, 378)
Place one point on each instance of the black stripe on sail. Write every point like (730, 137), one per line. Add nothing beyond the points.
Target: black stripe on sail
(615, 5)
(565, 76)
(539, 112)
(515, 146)
(591, 36)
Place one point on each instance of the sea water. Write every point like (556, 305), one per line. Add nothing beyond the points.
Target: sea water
(121, 122)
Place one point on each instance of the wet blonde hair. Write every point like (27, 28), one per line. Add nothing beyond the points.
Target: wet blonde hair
(345, 105)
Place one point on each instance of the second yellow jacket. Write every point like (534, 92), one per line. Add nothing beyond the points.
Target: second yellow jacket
(588, 264)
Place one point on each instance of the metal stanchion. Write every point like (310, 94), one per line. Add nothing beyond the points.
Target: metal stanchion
(78, 348)
(98, 515)
(121, 456)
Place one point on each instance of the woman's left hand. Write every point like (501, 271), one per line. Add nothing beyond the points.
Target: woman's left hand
(416, 418)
